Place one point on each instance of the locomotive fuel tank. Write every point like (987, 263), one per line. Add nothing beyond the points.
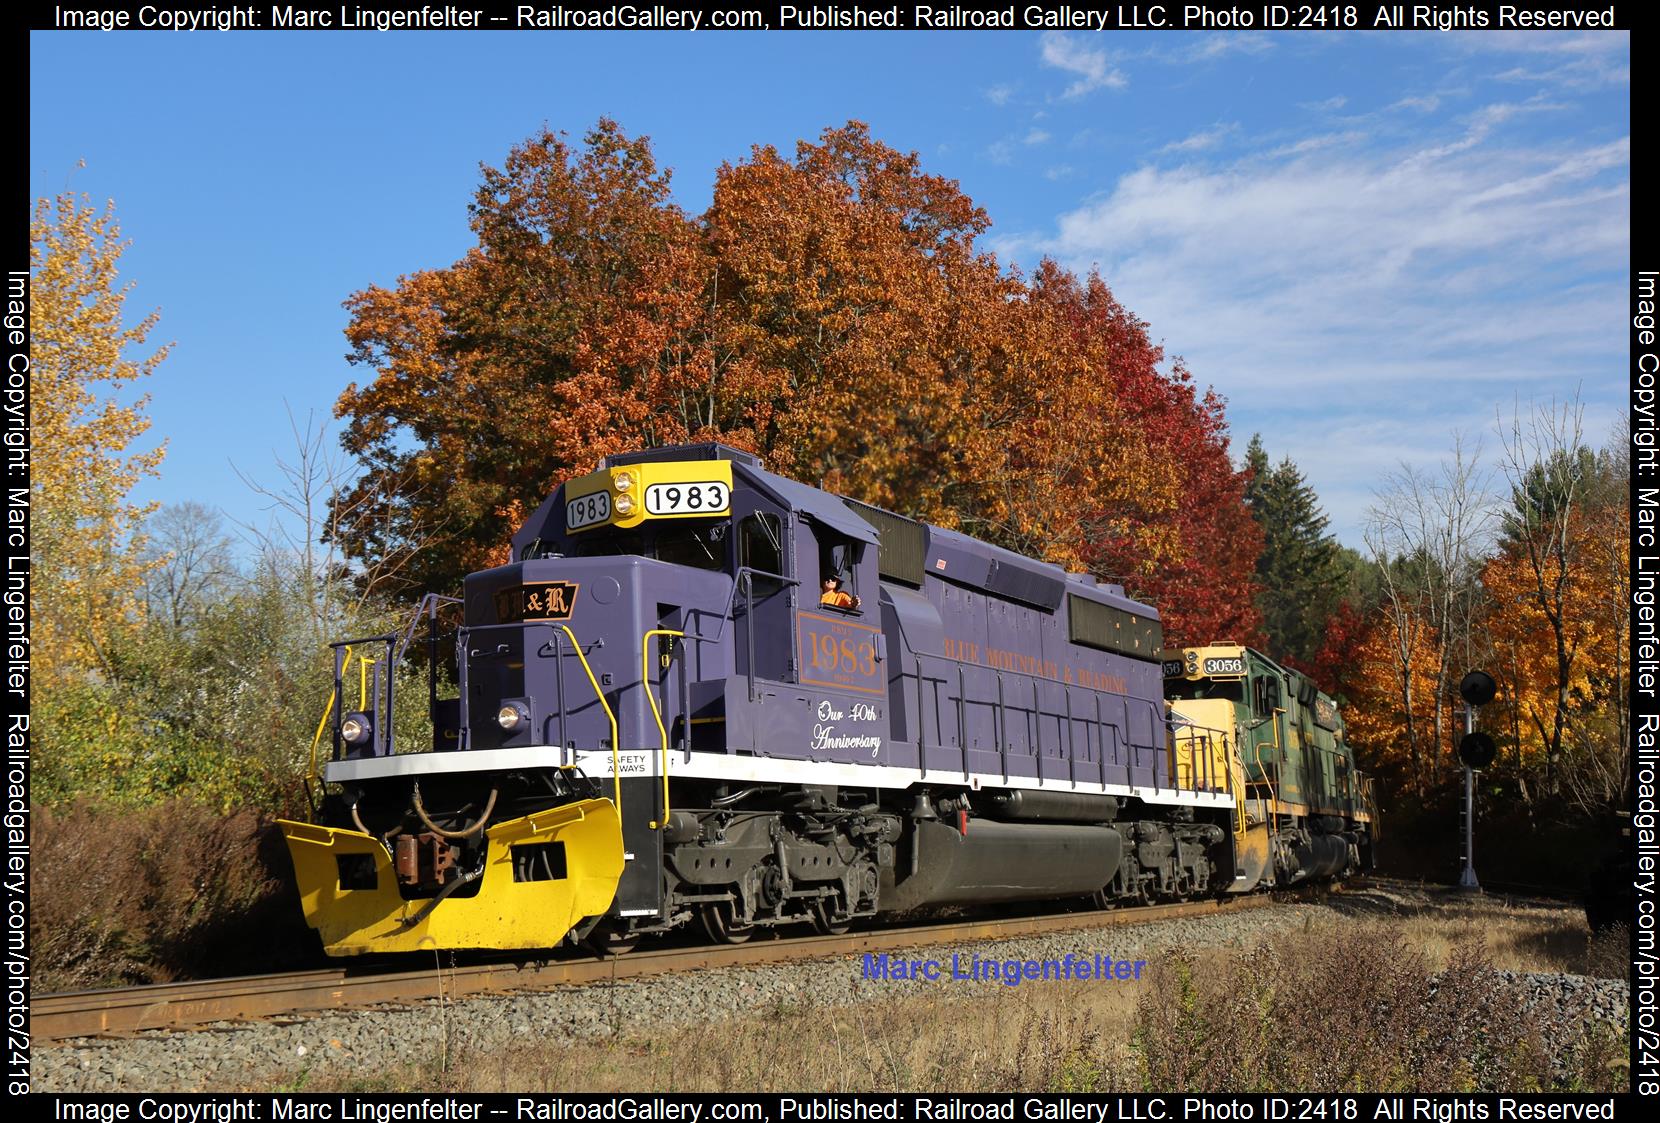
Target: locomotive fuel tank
(993, 861)
(1049, 807)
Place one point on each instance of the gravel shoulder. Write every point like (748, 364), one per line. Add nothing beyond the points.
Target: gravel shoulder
(361, 1044)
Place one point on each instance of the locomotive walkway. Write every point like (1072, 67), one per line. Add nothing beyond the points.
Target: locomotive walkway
(130, 1010)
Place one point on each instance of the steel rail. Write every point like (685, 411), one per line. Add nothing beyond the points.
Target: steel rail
(129, 1010)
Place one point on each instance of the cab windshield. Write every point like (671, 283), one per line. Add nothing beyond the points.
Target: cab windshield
(701, 545)
(1189, 689)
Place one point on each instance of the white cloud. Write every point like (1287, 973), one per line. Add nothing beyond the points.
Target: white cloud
(1000, 95)
(1315, 143)
(1578, 74)
(1202, 46)
(1217, 44)
(1095, 72)
(1576, 61)
(1366, 301)
(1481, 125)
(1350, 460)
(1330, 105)
(1427, 104)
(1036, 136)
(1059, 171)
(1201, 140)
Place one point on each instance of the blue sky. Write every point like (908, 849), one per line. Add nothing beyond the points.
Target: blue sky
(1364, 241)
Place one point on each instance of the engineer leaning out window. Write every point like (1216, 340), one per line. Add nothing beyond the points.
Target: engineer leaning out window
(833, 595)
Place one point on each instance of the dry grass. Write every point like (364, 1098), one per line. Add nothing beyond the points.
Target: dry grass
(1608, 954)
(1517, 935)
(1039, 1039)
(1367, 1015)
(1342, 1005)
(151, 894)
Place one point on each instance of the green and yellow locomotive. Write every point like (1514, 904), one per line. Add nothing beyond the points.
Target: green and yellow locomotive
(1307, 811)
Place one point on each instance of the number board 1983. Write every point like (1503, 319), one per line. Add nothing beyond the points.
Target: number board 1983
(587, 510)
(696, 498)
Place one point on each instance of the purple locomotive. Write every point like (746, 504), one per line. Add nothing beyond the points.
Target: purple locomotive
(702, 692)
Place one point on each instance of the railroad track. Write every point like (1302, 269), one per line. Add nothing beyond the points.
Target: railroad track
(130, 1010)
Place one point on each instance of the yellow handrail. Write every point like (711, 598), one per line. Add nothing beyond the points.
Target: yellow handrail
(1275, 784)
(645, 684)
(1230, 754)
(616, 760)
(317, 738)
(363, 662)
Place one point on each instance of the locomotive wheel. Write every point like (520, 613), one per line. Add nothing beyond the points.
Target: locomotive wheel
(606, 940)
(719, 921)
(822, 922)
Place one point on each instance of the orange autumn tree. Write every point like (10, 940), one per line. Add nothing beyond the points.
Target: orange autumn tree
(906, 369)
(1559, 591)
(1543, 605)
(1386, 708)
(830, 311)
(836, 276)
(561, 337)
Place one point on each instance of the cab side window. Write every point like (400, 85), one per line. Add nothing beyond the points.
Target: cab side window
(761, 548)
(838, 569)
(1265, 696)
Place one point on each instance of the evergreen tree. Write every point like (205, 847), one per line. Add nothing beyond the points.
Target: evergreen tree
(1301, 577)
(1549, 488)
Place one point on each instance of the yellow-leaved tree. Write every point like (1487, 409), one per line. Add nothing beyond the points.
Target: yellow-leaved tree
(88, 567)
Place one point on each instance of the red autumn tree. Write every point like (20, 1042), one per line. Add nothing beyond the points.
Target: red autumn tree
(1200, 575)
(550, 344)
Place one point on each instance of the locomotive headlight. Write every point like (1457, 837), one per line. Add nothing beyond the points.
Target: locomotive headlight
(622, 481)
(512, 715)
(355, 728)
(623, 505)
